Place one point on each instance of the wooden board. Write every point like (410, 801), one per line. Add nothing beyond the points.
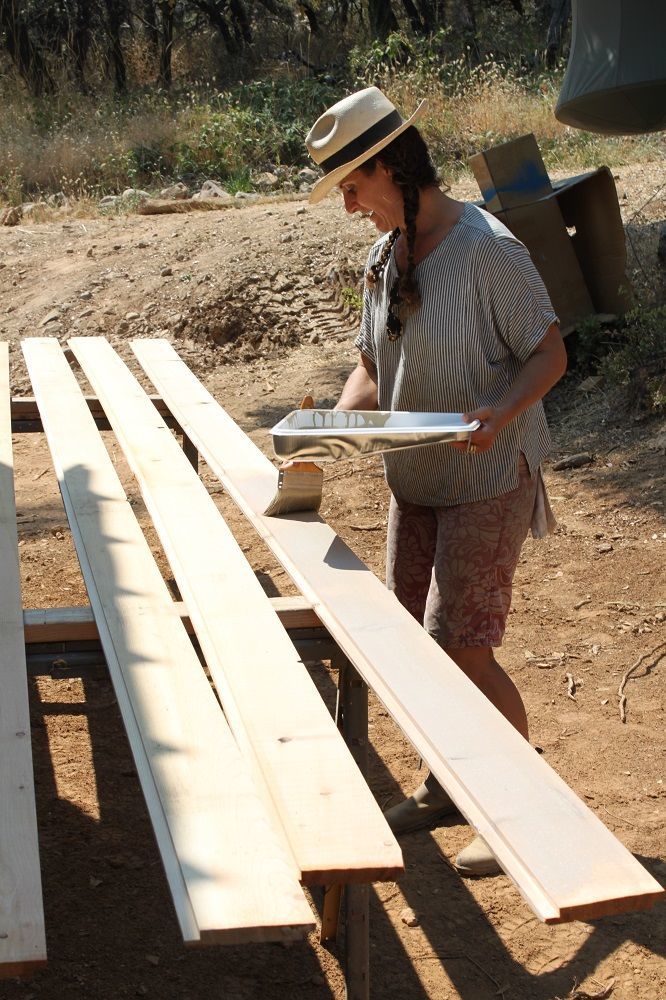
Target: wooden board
(78, 623)
(564, 861)
(332, 823)
(22, 937)
(230, 880)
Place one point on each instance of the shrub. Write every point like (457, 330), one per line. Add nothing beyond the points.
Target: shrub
(637, 360)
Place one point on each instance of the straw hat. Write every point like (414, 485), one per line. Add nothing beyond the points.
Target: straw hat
(351, 132)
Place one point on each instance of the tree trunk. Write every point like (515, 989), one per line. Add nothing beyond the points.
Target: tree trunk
(561, 12)
(432, 15)
(166, 42)
(116, 13)
(150, 26)
(470, 37)
(382, 19)
(25, 54)
(81, 36)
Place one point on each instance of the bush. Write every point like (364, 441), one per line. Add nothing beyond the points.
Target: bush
(637, 360)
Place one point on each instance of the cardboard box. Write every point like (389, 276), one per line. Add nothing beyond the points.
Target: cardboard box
(512, 174)
(572, 228)
(541, 228)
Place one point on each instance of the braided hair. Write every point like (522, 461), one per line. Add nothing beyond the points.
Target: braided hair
(412, 169)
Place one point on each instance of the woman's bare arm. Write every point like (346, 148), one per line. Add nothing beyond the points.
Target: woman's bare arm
(360, 390)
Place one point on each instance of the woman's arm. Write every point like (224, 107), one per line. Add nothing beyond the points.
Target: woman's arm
(360, 390)
(544, 367)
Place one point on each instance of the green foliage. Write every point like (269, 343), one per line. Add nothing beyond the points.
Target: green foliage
(636, 360)
(352, 298)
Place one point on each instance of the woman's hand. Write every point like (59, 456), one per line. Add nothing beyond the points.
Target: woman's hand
(492, 421)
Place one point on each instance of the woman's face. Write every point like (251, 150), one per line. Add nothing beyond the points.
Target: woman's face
(374, 196)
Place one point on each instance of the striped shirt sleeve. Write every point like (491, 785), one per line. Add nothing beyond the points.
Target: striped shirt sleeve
(517, 300)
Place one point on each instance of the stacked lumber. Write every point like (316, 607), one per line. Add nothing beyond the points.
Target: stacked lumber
(231, 878)
(563, 860)
(331, 822)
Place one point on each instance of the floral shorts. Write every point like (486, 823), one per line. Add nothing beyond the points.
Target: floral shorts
(453, 567)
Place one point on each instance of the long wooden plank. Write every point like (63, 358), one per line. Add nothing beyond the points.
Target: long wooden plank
(22, 937)
(78, 622)
(230, 879)
(564, 861)
(332, 822)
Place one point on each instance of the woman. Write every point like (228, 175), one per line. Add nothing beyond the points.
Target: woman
(455, 319)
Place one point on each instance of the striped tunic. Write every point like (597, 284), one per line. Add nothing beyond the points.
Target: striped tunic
(484, 311)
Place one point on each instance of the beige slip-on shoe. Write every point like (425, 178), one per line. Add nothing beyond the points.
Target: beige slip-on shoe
(426, 806)
(477, 860)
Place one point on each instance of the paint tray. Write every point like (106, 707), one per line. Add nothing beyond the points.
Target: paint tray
(330, 435)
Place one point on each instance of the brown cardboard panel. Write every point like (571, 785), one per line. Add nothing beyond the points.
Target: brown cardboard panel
(589, 205)
(541, 228)
(512, 174)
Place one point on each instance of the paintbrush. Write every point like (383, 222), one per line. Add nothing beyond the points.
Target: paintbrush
(299, 485)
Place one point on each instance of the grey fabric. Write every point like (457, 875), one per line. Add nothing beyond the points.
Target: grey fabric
(615, 81)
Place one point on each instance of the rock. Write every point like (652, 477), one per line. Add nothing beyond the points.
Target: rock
(409, 917)
(57, 200)
(267, 181)
(129, 316)
(573, 461)
(109, 201)
(85, 296)
(288, 187)
(211, 189)
(30, 207)
(591, 384)
(134, 194)
(166, 272)
(304, 188)
(50, 318)
(605, 547)
(301, 211)
(286, 238)
(11, 216)
(174, 192)
(246, 196)
(307, 175)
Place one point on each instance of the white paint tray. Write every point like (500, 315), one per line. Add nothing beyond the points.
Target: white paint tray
(329, 435)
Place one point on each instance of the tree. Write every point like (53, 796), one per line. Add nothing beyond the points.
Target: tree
(25, 51)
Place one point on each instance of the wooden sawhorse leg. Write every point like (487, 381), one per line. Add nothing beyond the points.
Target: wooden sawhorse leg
(353, 710)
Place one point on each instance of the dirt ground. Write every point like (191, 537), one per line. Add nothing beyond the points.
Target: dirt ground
(253, 300)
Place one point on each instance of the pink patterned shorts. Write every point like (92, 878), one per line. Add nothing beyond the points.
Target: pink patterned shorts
(453, 567)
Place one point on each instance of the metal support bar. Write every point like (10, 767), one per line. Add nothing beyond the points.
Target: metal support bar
(354, 711)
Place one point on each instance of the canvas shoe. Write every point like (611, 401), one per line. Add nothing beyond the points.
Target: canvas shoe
(425, 807)
(477, 860)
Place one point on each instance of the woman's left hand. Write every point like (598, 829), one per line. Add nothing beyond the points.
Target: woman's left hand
(482, 439)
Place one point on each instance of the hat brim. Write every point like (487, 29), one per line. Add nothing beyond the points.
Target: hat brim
(326, 184)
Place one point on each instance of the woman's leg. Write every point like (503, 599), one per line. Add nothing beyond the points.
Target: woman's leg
(480, 665)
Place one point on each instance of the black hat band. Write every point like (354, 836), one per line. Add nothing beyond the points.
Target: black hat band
(364, 142)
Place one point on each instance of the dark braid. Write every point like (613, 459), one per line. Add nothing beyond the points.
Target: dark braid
(375, 271)
(408, 159)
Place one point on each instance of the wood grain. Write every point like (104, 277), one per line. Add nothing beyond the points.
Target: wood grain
(22, 936)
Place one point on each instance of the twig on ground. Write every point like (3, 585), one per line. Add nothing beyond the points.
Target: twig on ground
(571, 686)
(578, 994)
(620, 819)
(579, 604)
(620, 691)
(465, 957)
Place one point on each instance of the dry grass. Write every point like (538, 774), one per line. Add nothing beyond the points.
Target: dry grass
(87, 147)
